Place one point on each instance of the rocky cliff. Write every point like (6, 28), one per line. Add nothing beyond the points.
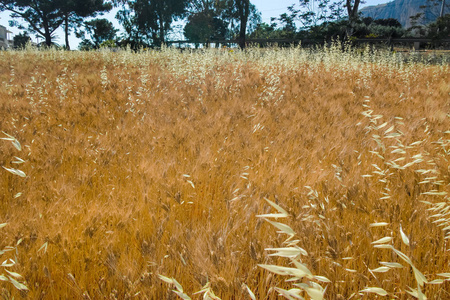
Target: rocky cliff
(402, 10)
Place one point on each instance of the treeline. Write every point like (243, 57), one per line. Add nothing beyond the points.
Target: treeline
(147, 23)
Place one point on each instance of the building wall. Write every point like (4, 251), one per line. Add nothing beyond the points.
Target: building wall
(4, 42)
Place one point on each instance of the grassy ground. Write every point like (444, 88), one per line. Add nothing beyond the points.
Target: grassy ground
(157, 163)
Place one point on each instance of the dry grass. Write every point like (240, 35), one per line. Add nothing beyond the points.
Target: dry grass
(158, 163)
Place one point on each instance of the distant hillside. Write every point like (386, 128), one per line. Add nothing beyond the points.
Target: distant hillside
(403, 9)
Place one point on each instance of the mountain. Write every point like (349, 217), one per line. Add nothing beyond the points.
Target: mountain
(402, 10)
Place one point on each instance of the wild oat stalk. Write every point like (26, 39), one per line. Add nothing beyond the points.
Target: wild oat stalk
(299, 271)
(11, 276)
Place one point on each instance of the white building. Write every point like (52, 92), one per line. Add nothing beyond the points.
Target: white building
(5, 38)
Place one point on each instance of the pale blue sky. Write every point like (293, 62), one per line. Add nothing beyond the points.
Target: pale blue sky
(268, 9)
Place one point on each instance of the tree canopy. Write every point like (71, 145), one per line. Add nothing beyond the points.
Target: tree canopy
(44, 17)
(100, 31)
(148, 21)
(202, 27)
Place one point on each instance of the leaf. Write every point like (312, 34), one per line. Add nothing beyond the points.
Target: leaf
(177, 285)
(291, 252)
(403, 256)
(17, 284)
(302, 267)
(3, 225)
(283, 227)
(378, 224)
(9, 138)
(13, 140)
(376, 290)
(165, 279)
(44, 246)
(272, 216)
(15, 172)
(417, 293)
(389, 129)
(383, 246)
(384, 240)
(18, 160)
(191, 183)
(391, 264)
(14, 274)
(277, 207)
(292, 294)
(17, 145)
(6, 264)
(436, 281)
(404, 237)
(314, 293)
(182, 295)
(420, 278)
(252, 295)
(285, 271)
(322, 279)
(3, 278)
(381, 269)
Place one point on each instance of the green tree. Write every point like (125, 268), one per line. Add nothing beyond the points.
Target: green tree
(231, 13)
(75, 11)
(314, 12)
(45, 16)
(42, 16)
(204, 26)
(430, 12)
(86, 45)
(265, 31)
(150, 20)
(440, 29)
(243, 8)
(100, 30)
(21, 40)
(353, 16)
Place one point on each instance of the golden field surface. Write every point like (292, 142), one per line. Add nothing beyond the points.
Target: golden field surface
(142, 168)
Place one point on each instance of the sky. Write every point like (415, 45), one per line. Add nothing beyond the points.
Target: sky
(268, 9)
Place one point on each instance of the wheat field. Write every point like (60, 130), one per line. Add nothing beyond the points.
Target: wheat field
(129, 175)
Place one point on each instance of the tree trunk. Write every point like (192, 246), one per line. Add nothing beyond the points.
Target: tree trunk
(47, 33)
(352, 10)
(47, 36)
(66, 31)
(161, 31)
(243, 9)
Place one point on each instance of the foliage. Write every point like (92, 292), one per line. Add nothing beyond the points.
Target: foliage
(75, 11)
(313, 12)
(381, 28)
(229, 19)
(86, 45)
(21, 40)
(100, 30)
(45, 16)
(42, 16)
(430, 12)
(440, 29)
(203, 27)
(148, 21)
(267, 31)
(108, 44)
